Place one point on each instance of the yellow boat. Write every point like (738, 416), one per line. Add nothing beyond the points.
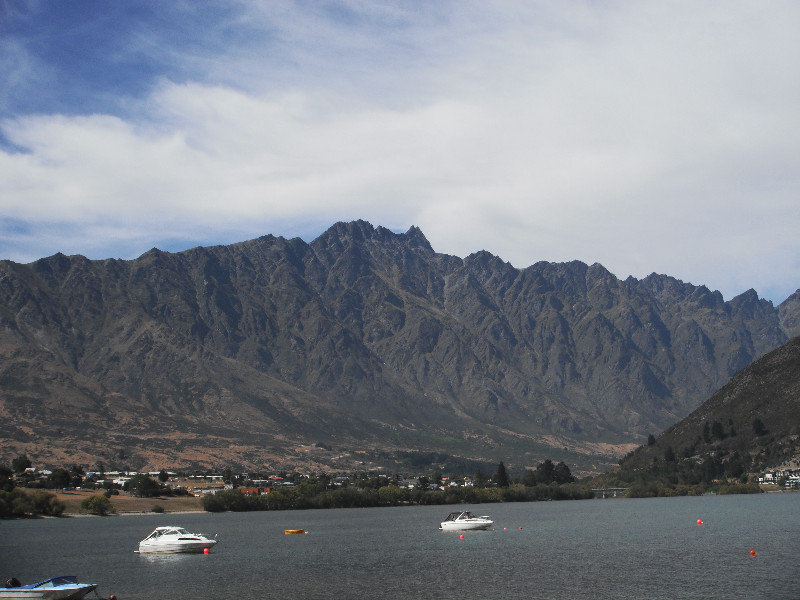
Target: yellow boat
(291, 531)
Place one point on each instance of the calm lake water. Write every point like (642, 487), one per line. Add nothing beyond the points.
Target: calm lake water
(649, 548)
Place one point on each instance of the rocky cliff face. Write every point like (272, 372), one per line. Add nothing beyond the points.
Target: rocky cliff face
(789, 314)
(279, 352)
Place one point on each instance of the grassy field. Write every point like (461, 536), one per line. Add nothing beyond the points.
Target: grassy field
(125, 504)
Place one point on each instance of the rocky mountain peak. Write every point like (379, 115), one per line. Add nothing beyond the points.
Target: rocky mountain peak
(789, 311)
(416, 239)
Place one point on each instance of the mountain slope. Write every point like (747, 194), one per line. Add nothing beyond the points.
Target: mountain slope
(279, 352)
(754, 418)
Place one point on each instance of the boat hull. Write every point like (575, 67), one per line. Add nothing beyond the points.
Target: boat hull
(465, 525)
(190, 547)
(60, 592)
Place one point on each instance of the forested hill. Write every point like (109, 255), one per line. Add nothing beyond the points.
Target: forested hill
(360, 346)
(751, 424)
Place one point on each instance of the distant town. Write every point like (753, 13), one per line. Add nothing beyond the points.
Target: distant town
(200, 484)
(788, 478)
(28, 490)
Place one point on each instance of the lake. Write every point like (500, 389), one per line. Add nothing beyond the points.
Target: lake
(615, 548)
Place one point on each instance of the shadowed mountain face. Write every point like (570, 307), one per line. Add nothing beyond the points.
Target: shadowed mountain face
(279, 353)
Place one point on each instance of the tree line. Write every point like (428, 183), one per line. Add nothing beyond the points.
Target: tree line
(547, 482)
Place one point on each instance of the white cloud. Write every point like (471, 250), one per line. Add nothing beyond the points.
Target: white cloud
(655, 137)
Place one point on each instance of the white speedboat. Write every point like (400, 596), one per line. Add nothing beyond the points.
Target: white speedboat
(174, 539)
(63, 587)
(465, 520)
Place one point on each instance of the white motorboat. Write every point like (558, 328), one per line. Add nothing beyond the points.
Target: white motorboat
(173, 539)
(63, 587)
(465, 520)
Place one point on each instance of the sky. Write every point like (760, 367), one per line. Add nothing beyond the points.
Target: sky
(646, 136)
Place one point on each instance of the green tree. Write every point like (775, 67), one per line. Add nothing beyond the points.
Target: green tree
(14, 503)
(45, 503)
(227, 475)
(735, 467)
(480, 480)
(437, 478)
(758, 427)
(60, 478)
(163, 476)
(501, 477)
(211, 503)
(97, 504)
(142, 486)
(562, 474)
(709, 469)
(324, 480)
(21, 463)
(546, 472)
(651, 439)
(389, 495)
(529, 479)
(6, 480)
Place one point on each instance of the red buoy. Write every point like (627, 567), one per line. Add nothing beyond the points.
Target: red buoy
(752, 552)
(205, 550)
(462, 536)
(699, 522)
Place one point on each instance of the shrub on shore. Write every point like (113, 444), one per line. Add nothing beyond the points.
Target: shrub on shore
(655, 489)
(18, 503)
(97, 504)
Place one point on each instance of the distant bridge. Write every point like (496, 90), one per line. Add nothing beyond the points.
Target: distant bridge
(609, 492)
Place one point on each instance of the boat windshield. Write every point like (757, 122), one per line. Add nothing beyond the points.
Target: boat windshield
(53, 582)
(456, 516)
(167, 531)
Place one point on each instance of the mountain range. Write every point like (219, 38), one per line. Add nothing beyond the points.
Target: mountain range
(362, 348)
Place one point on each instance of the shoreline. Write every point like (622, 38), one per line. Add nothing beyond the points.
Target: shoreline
(126, 513)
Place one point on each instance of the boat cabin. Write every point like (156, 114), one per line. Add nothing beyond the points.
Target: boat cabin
(159, 531)
(464, 514)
